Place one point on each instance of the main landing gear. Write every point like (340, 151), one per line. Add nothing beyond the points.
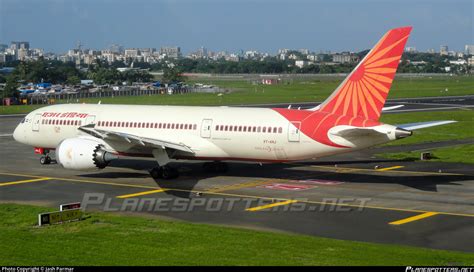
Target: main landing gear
(163, 170)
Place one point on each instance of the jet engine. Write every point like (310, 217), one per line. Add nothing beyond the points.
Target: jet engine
(81, 154)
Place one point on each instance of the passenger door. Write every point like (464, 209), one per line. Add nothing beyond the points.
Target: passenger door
(206, 128)
(294, 131)
(36, 122)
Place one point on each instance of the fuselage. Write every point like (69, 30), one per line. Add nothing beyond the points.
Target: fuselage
(213, 133)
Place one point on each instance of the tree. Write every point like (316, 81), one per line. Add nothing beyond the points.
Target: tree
(73, 80)
(172, 75)
(11, 88)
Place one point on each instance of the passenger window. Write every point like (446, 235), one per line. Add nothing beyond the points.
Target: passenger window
(274, 130)
(194, 126)
(280, 130)
(240, 128)
(264, 129)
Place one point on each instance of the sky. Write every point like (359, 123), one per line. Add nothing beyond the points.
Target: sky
(232, 25)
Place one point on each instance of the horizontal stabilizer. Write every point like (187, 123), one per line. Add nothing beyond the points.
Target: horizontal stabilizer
(392, 107)
(413, 126)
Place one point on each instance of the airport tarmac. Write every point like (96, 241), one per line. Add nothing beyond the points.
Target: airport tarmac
(353, 196)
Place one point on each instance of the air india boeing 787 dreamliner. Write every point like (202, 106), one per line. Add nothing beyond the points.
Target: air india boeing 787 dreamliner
(88, 136)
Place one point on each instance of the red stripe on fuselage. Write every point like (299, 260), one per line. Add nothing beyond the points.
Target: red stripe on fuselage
(316, 124)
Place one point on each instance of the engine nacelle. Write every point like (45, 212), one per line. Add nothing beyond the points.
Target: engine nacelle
(81, 154)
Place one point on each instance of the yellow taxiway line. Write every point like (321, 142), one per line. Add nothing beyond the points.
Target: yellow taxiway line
(142, 193)
(413, 218)
(393, 171)
(259, 208)
(253, 196)
(23, 181)
(389, 168)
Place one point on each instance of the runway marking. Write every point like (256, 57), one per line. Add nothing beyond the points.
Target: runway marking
(142, 193)
(389, 168)
(6, 135)
(259, 208)
(413, 218)
(23, 181)
(241, 185)
(249, 196)
(394, 171)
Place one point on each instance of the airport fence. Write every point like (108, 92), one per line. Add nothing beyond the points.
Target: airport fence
(76, 97)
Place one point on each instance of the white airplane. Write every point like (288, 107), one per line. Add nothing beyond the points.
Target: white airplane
(88, 136)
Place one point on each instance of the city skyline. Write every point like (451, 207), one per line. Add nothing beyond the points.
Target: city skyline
(265, 26)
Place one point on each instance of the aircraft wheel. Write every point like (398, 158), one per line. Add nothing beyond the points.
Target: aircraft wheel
(45, 160)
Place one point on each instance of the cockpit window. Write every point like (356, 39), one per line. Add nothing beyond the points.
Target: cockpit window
(22, 120)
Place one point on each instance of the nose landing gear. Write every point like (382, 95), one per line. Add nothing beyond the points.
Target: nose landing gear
(45, 159)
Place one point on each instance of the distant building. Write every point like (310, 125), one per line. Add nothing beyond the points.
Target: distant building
(3, 47)
(232, 57)
(131, 53)
(283, 51)
(345, 58)
(303, 51)
(171, 52)
(469, 49)
(443, 50)
(470, 61)
(302, 63)
(270, 79)
(410, 49)
(20, 45)
(22, 54)
(313, 57)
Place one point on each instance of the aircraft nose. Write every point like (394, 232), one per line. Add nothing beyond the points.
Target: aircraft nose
(17, 133)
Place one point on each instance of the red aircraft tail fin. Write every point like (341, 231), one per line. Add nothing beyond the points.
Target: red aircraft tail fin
(365, 89)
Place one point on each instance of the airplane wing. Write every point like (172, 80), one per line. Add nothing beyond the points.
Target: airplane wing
(413, 126)
(133, 139)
